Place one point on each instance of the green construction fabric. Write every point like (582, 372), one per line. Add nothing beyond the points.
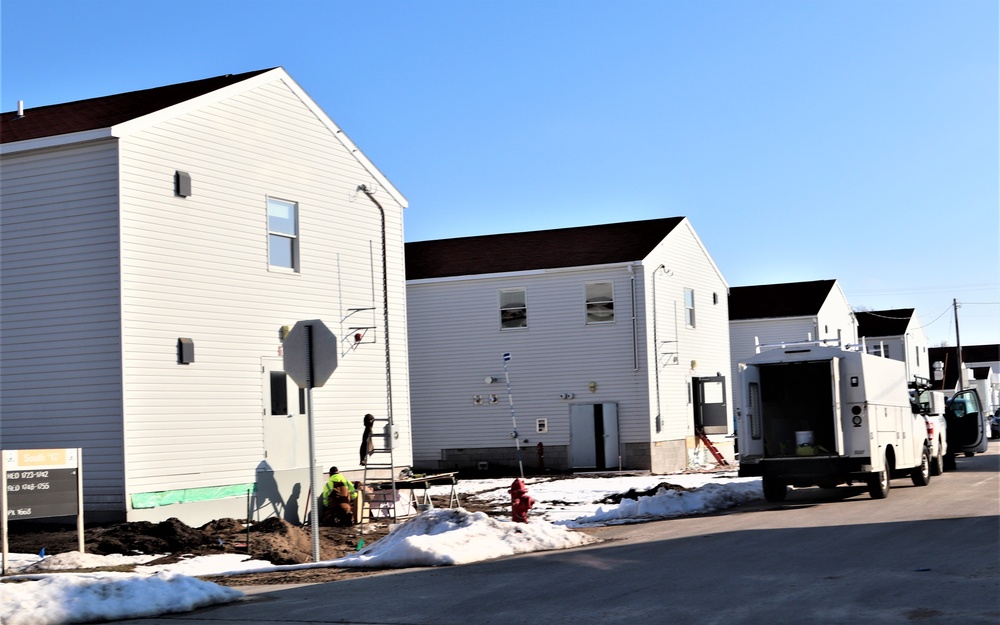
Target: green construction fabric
(188, 495)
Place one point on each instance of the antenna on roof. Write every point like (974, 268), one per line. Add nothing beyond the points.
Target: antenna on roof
(20, 108)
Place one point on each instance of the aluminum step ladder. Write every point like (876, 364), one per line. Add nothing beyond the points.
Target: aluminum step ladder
(380, 465)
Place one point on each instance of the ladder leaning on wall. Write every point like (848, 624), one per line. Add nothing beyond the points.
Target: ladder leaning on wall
(379, 466)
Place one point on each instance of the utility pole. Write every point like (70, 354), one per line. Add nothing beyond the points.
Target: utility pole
(958, 341)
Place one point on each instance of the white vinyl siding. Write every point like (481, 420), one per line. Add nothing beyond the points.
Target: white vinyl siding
(181, 278)
(105, 267)
(449, 362)
(197, 267)
(60, 375)
(685, 352)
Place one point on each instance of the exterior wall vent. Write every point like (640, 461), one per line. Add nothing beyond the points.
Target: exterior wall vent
(182, 183)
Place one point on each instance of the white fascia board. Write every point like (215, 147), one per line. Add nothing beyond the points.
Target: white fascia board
(55, 141)
(758, 319)
(718, 272)
(516, 274)
(139, 124)
(341, 136)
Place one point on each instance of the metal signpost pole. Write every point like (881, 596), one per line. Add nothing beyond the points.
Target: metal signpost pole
(314, 512)
(310, 357)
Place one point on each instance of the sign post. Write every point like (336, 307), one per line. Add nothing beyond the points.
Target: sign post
(510, 399)
(40, 483)
(310, 356)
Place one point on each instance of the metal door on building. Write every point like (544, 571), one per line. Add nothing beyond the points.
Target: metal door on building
(710, 406)
(593, 436)
(286, 426)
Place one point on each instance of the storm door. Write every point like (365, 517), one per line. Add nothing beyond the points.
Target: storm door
(286, 426)
(593, 436)
(710, 407)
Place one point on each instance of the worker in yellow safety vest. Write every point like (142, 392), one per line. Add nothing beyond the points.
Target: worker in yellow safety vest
(339, 497)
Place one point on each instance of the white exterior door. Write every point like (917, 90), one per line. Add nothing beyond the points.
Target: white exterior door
(286, 427)
(594, 436)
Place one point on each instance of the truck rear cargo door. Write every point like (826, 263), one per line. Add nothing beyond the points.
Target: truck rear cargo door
(750, 432)
(838, 426)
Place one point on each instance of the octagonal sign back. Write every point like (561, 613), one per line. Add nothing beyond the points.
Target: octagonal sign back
(310, 346)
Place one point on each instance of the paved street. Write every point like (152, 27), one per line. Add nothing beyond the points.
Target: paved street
(925, 555)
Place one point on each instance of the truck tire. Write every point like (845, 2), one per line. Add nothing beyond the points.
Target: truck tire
(921, 475)
(878, 483)
(774, 490)
(937, 466)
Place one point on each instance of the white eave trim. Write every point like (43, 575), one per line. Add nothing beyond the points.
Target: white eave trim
(56, 141)
(518, 274)
(759, 319)
(141, 123)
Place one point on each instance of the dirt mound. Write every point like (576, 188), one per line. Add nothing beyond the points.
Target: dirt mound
(144, 537)
(273, 540)
(649, 492)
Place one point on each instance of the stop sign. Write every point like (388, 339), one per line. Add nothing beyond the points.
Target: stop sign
(310, 353)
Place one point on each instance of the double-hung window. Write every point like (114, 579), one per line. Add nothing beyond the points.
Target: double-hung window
(600, 303)
(689, 307)
(513, 309)
(282, 234)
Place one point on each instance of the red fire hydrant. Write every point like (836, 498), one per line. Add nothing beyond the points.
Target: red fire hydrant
(520, 501)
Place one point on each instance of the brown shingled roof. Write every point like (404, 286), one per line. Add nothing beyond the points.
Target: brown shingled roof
(543, 249)
(883, 322)
(767, 301)
(106, 111)
(970, 353)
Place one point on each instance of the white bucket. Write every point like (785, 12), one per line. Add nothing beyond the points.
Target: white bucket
(804, 438)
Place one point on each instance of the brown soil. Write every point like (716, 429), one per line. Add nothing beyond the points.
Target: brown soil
(273, 540)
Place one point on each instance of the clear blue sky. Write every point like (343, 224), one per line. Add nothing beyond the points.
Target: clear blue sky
(805, 140)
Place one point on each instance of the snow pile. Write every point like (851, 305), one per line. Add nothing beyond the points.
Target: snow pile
(672, 503)
(62, 599)
(456, 536)
(77, 560)
(433, 538)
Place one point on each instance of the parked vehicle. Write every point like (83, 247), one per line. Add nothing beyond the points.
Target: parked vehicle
(931, 405)
(815, 415)
(995, 425)
(968, 424)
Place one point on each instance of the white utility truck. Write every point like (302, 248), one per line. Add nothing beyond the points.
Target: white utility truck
(820, 415)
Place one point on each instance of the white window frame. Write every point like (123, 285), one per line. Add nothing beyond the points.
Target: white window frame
(500, 306)
(589, 304)
(689, 309)
(291, 238)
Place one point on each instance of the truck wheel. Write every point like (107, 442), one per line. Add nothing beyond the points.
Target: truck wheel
(937, 466)
(921, 475)
(774, 490)
(878, 483)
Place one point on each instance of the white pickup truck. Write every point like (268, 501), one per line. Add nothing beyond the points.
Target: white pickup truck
(931, 404)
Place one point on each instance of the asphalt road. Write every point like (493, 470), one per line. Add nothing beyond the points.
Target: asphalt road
(923, 555)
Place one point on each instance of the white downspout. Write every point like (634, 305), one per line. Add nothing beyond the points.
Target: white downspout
(635, 330)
